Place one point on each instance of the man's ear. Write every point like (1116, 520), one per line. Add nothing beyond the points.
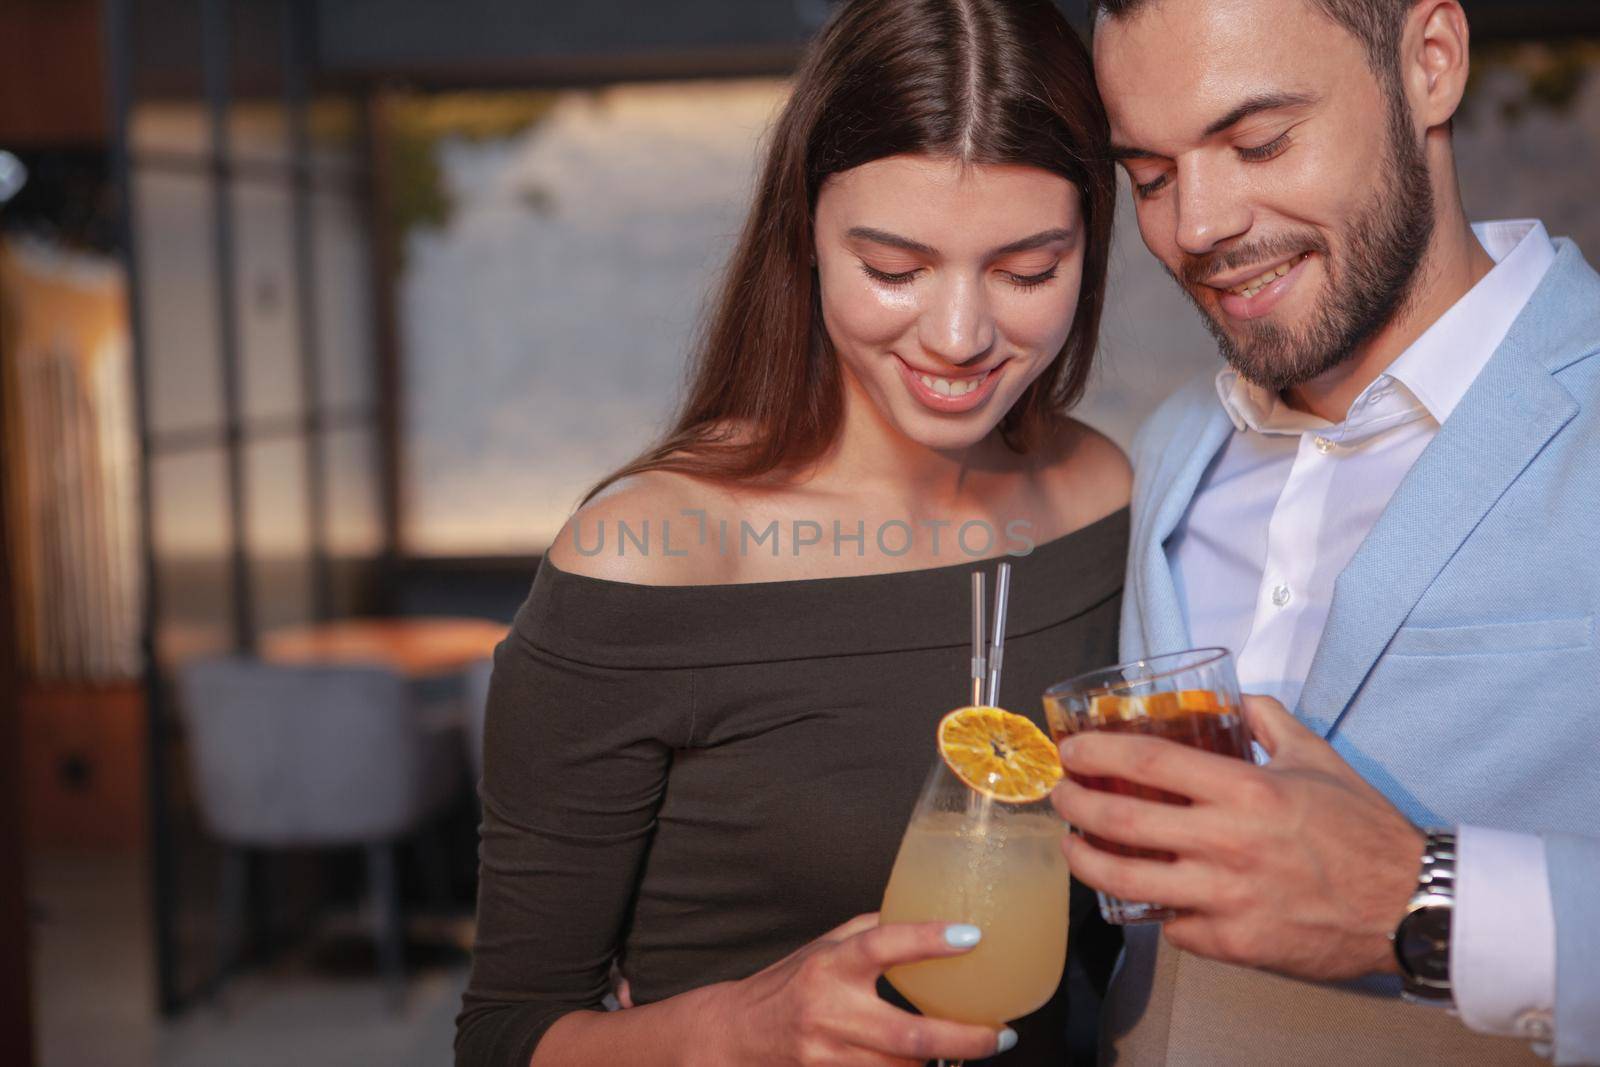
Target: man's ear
(1434, 60)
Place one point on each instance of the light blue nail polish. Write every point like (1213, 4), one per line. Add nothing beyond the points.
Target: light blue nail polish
(962, 935)
(1006, 1042)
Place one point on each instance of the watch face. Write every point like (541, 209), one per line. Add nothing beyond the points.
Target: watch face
(1424, 943)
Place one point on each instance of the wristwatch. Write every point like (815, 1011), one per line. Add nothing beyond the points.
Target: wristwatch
(1422, 938)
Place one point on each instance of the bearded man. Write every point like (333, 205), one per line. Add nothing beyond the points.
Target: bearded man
(1387, 504)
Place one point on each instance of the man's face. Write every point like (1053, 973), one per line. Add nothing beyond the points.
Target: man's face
(1277, 178)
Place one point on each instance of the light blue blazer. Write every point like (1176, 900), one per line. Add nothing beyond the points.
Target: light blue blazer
(1460, 670)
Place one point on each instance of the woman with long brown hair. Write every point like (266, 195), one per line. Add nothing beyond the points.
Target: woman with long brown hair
(709, 724)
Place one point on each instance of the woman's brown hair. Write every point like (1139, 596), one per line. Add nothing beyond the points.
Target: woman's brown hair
(982, 81)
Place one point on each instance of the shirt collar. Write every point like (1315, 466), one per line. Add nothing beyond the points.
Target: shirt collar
(1440, 366)
(1253, 408)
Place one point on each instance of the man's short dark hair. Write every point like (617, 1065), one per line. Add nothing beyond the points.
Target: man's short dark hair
(1375, 23)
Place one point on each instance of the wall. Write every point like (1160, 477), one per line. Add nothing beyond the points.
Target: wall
(547, 310)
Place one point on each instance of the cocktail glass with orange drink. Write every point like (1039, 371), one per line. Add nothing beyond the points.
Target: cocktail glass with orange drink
(984, 847)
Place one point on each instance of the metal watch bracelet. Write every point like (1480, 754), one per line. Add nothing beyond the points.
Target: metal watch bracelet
(1422, 937)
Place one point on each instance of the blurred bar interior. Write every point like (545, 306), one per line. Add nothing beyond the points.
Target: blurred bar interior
(315, 320)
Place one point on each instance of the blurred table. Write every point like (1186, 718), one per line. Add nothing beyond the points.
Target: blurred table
(427, 646)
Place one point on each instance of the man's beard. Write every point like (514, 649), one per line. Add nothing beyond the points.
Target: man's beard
(1383, 248)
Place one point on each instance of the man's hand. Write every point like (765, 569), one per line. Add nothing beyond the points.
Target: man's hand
(1299, 867)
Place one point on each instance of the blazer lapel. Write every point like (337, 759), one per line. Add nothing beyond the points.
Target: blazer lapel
(1510, 413)
(1158, 624)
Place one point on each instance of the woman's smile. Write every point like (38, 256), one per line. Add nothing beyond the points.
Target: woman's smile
(951, 393)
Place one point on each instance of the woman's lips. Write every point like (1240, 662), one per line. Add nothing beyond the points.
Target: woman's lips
(932, 398)
(1237, 306)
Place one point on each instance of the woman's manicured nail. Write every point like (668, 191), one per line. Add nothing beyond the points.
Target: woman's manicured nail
(962, 935)
(1007, 1041)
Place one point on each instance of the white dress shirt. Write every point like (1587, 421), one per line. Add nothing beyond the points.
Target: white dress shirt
(1276, 518)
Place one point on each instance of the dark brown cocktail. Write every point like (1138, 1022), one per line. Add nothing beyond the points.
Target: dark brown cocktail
(1189, 697)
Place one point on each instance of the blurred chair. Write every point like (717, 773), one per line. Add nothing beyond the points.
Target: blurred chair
(477, 706)
(304, 757)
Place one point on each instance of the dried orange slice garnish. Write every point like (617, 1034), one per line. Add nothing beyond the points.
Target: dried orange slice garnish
(1000, 754)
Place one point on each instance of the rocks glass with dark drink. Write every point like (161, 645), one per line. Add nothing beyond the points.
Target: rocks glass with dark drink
(1188, 697)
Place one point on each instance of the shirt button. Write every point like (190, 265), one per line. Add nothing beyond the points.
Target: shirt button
(1323, 445)
(1280, 595)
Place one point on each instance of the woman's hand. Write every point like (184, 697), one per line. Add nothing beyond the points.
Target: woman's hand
(819, 1005)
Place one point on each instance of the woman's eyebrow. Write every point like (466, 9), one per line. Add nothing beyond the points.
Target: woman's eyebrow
(894, 240)
(1038, 240)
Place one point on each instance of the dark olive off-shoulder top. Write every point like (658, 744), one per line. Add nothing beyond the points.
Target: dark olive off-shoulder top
(696, 780)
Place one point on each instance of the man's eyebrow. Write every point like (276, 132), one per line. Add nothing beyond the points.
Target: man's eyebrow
(1123, 152)
(893, 240)
(1253, 106)
(1257, 104)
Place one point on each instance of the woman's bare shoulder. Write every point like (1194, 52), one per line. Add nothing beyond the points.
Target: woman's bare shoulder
(1087, 472)
(646, 529)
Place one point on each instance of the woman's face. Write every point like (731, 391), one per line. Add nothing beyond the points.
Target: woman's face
(947, 288)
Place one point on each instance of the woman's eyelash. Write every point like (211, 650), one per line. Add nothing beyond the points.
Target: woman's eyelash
(1024, 281)
(1028, 281)
(887, 278)
(1261, 153)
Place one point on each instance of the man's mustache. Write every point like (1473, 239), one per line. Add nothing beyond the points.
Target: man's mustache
(1195, 271)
